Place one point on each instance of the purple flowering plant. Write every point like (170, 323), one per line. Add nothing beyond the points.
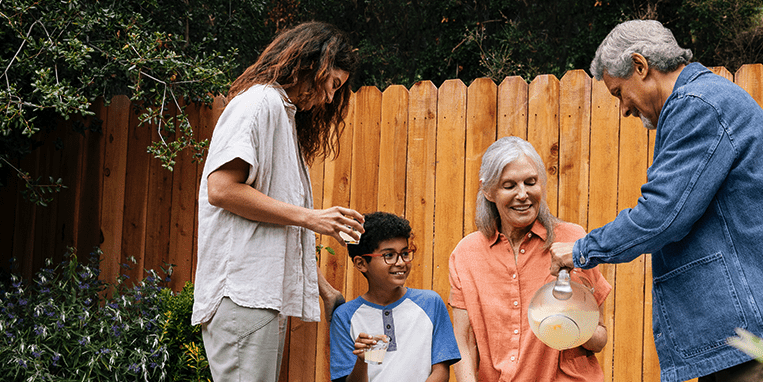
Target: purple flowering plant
(68, 325)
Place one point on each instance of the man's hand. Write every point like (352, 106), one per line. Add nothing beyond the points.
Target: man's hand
(561, 257)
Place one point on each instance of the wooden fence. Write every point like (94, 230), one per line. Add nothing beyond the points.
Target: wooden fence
(414, 152)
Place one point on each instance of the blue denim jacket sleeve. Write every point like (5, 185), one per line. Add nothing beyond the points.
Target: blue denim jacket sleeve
(693, 155)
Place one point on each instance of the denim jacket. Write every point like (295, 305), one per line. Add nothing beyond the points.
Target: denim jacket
(700, 214)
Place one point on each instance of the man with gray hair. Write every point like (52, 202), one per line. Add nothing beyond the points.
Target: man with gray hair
(701, 211)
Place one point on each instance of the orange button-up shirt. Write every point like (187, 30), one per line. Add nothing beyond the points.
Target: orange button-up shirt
(496, 292)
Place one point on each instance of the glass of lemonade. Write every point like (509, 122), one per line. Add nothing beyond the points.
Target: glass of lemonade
(374, 354)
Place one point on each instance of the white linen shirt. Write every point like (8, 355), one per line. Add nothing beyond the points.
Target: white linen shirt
(255, 264)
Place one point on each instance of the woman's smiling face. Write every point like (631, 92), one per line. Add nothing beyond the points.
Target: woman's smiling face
(517, 195)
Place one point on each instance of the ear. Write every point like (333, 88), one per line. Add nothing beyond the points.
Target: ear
(640, 65)
(488, 196)
(360, 263)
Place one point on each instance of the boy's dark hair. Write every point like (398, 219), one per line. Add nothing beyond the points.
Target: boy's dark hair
(379, 226)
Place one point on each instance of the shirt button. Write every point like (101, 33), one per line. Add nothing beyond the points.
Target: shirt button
(514, 276)
(513, 358)
(389, 327)
(516, 303)
(529, 234)
(386, 313)
(582, 260)
(522, 250)
(516, 331)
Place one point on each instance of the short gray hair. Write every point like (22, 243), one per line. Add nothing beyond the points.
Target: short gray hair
(645, 37)
(501, 153)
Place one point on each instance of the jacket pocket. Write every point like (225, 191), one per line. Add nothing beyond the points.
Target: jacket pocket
(699, 305)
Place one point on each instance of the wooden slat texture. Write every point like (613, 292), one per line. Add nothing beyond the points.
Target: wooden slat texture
(602, 192)
(543, 117)
(481, 106)
(420, 182)
(135, 198)
(629, 289)
(574, 134)
(750, 78)
(114, 171)
(185, 189)
(91, 163)
(414, 152)
(158, 210)
(512, 107)
(449, 179)
(365, 167)
(393, 145)
(335, 192)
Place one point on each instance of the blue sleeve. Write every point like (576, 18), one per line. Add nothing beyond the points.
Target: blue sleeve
(444, 346)
(693, 155)
(342, 343)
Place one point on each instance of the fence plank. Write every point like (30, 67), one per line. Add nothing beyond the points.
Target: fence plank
(392, 150)
(420, 181)
(574, 132)
(750, 77)
(629, 292)
(336, 192)
(184, 194)
(136, 194)
(543, 116)
(70, 171)
(91, 162)
(49, 164)
(159, 209)
(602, 200)
(25, 235)
(512, 107)
(364, 183)
(114, 171)
(449, 179)
(481, 106)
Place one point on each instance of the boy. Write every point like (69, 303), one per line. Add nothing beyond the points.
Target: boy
(415, 322)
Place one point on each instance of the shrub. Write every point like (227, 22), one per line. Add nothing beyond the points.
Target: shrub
(187, 358)
(67, 325)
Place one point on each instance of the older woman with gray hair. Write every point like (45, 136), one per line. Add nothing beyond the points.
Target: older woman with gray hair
(701, 210)
(495, 272)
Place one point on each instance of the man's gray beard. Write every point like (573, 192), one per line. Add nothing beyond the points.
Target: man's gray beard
(647, 123)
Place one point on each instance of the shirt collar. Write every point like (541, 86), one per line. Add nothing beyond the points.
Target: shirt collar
(690, 73)
(536, 230)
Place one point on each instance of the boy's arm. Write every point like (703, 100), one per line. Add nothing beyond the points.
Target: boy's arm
(466, 368)
(440, 373)
(359, 372)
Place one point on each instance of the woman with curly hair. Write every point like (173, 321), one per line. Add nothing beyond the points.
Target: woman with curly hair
(256, 254)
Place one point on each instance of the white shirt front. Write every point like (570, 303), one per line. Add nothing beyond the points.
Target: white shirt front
(257, 265)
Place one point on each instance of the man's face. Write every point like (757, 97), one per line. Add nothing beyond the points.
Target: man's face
(637, 97)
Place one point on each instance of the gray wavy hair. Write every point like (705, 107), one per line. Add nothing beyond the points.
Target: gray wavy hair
(645, 37)
(501, 153)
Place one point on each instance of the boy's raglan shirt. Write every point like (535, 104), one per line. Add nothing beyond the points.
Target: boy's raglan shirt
(419, 329)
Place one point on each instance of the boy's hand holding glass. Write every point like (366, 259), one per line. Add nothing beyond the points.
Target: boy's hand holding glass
(370, 348)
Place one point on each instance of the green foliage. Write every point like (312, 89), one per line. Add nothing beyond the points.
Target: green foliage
(67, 325)
(59, 56)
(187, 358)
(61, 327)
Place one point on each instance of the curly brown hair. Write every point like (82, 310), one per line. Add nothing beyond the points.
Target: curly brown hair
(306, 54)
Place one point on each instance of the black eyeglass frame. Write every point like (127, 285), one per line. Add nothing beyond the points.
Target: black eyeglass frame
(398, 255)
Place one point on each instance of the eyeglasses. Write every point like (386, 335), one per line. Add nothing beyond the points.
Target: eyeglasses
(390, 258)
